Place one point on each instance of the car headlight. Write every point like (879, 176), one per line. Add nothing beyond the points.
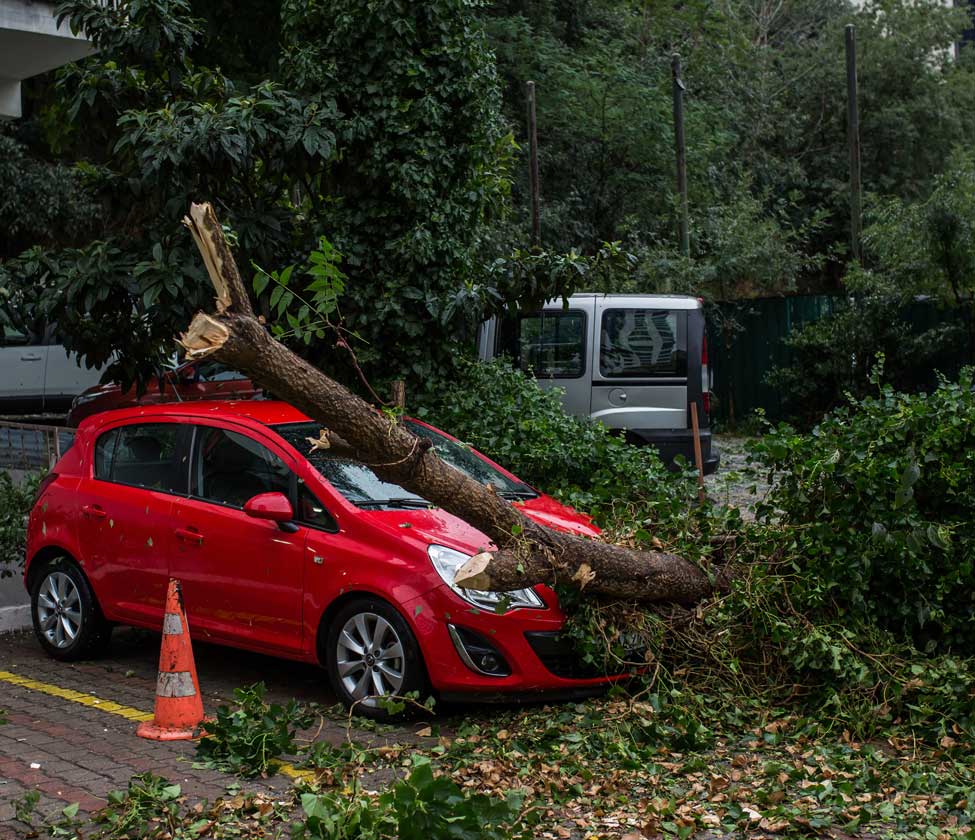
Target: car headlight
(447, 561)
(83, 398)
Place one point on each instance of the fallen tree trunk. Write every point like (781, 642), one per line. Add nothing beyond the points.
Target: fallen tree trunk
(524, 552)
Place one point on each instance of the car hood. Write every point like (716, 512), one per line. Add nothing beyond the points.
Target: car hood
(436, 526)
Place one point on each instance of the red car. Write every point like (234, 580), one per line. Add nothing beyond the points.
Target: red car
(190, 382)
(309, 557)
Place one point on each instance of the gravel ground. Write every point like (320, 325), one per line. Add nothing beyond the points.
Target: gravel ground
(735, 483)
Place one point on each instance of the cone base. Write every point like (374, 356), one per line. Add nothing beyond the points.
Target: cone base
(151, 730)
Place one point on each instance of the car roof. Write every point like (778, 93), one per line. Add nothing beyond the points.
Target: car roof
(266, 412)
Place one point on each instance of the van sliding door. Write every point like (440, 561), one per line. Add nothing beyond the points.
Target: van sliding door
(639, 365)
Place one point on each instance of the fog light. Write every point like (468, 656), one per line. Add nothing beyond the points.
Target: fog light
(489, 663)
(477, 653)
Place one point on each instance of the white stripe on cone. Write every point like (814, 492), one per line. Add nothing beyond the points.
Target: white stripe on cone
(172, 626)
(175, 684)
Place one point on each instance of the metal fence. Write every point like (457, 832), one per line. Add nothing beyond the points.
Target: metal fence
(741, 364)
(30, 446)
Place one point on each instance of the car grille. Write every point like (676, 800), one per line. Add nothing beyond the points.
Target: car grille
(558, 656)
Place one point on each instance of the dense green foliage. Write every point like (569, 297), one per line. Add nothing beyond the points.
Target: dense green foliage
(504, 414)
(854, 590)
(396, 153)
(245, 740)
(420, 807)
(16, 498)
(880, 502)
(834, 357)
(397, 131)
(921, 250)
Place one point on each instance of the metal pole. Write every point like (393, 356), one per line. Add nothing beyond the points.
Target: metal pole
(533, 165)
(679, 147)
(853, 132)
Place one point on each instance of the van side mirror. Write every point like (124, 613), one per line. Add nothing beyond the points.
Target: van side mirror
(274, 507)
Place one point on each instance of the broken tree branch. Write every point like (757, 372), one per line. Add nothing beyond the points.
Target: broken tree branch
(523, 553)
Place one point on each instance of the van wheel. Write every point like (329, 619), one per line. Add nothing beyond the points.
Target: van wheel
(67, 619)
(371, 654)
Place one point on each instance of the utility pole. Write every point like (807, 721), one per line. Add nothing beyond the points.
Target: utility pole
(853, 134)
(680, 149)
(533, 165)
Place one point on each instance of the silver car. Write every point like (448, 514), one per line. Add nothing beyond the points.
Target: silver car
(37, 374)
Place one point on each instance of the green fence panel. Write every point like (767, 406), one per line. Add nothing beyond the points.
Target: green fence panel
(743, 356)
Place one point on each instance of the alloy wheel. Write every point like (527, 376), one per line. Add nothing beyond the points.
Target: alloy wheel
(59, 609)
(370, 658)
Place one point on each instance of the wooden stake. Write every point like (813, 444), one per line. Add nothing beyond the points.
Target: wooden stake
(533, 165)
(853, 135)
(398, 387)
(681, 151)
(698, 458)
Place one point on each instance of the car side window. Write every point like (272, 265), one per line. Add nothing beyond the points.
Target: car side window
(147, 455)
(229, 468)
(312, 512)
(104, 450)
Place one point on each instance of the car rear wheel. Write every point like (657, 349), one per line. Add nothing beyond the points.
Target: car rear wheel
(67, 619)
(372, 654)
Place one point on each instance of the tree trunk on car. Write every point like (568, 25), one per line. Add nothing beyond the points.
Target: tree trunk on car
(524, 552)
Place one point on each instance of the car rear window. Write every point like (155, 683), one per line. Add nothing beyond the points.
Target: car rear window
(145, 455)
(641, 343)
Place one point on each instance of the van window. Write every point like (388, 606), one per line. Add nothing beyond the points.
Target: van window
(546, 344)
(640, 343)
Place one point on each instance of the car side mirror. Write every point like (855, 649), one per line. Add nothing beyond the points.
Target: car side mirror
(274, 507)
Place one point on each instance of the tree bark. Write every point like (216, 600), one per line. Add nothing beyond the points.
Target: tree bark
(523, 553)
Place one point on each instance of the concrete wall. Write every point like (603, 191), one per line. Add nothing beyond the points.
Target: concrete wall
(31, 43)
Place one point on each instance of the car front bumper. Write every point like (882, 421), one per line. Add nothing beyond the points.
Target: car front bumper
(540, 665)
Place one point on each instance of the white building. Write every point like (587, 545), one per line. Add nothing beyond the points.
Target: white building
(31, 43)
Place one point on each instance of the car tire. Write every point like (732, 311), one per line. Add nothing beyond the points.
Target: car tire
(391, 662)
(67, 619)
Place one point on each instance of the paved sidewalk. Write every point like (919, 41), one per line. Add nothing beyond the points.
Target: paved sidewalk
(70, 750)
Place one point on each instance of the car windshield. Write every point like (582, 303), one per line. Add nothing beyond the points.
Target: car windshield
(361, 486)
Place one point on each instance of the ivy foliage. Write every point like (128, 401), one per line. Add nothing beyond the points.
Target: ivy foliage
(16, 499)
(879, 499)
(377, 125)
(247, 739)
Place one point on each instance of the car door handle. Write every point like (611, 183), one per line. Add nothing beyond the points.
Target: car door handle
(189, 535)
(93, 512)
(31, 358)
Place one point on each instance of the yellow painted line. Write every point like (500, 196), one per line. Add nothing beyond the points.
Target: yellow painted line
(113, 708)
(89, 700)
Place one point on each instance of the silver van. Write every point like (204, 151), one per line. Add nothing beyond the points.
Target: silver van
(633, 362)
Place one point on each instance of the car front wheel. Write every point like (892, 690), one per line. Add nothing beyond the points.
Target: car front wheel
(67, 620)
(372, 654)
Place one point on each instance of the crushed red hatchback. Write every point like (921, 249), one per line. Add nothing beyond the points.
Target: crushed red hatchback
(310, 557)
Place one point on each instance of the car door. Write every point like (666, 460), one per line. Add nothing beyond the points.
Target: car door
(22, 361)
(553, 346)
(126, 510)
(242, 577)
(639, 365)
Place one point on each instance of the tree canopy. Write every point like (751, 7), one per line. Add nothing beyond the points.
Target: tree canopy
(397, 132)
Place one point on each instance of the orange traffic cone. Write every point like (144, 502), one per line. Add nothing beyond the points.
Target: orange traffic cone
(179, 707)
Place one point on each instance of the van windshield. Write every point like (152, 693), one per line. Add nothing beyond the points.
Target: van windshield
(361, 486)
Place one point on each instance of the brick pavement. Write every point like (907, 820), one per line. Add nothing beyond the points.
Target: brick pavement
(70, 752)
